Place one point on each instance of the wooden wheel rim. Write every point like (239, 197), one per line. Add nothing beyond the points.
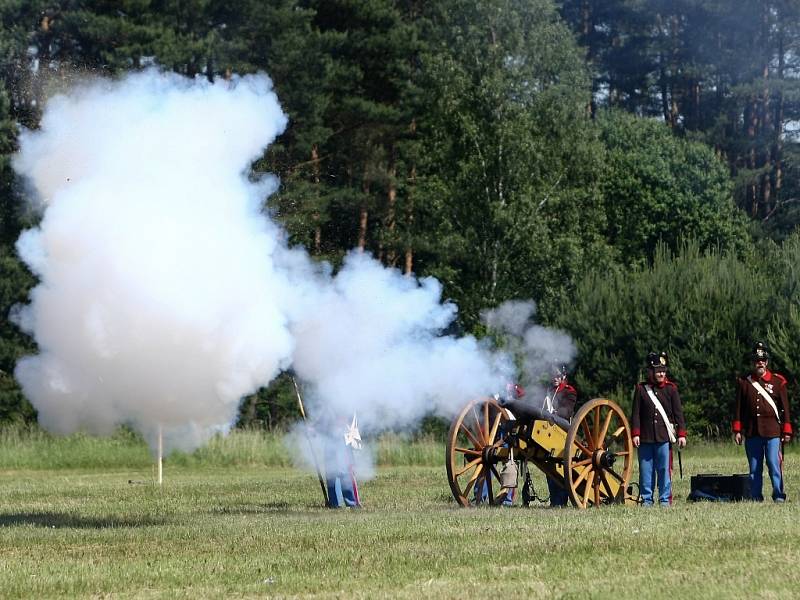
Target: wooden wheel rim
(599, 427)
(475, 430)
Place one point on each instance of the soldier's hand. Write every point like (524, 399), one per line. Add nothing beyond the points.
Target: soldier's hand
(636, 441)
(681, 442)
(737, 437)
(787, 438)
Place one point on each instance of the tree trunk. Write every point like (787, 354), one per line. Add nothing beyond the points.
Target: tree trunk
(662, 84)
(694, 111)
(363, 217)
(250, 410)
(408, 267)
(663, 73)
(317, 244)
(674, 61)
(777, 125)
(391, 205)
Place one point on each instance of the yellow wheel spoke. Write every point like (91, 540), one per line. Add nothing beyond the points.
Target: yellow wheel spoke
(467, 467)
(486, 422)
(586, 491)
(588, 434)
(478, 425)
(472, 479)
(471, 436)
(495, 427)
(469, 451)
(583, 475)
(604, 430)
(616, 475)
(606, 484)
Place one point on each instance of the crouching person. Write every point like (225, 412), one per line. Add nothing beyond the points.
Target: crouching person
(339, 465)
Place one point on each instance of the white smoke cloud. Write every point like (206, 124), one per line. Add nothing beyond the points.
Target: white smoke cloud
(369, 342)
(541, 350)
(159, 303)
(167, 295)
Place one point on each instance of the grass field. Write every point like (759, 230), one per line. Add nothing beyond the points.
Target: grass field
(230, 523)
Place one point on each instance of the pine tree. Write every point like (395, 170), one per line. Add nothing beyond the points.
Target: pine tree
(705, 309)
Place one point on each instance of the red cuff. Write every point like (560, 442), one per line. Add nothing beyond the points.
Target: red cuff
(737, 427)
(636, 432)
(682, 433)
(787, 428)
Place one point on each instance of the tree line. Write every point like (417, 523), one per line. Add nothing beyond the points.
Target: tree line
(585, 154)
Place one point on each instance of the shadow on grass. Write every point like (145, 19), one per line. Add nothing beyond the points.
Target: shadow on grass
(71, 521)
(267, 507)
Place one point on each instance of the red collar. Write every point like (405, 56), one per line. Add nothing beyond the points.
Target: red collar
(562, 386)
(767, 376)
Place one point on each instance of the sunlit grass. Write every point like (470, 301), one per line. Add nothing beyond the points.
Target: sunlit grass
(32, 448)
(242, 530)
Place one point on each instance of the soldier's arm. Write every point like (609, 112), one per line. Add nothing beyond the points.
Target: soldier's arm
(784, 398)
(636, 426)
(738, 412)
(677, 412)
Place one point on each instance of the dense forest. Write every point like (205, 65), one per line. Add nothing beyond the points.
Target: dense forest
(633, 166)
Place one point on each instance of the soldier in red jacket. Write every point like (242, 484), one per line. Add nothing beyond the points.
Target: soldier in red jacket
(762, 415)
(657, 423)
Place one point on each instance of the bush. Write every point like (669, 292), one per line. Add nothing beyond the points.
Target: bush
(704, 308)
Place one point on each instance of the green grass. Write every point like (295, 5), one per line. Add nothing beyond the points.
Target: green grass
(260, 531)
(32, 448)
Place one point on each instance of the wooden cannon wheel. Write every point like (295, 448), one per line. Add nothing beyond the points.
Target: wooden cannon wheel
(599, 466)
(472, 466)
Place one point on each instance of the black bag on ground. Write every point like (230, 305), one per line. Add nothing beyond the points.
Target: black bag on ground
(719, 488)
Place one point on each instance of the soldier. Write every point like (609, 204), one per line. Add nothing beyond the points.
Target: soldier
(657, 410)
(560, 401)
(762, 414)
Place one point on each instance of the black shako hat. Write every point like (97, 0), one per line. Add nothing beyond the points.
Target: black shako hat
(657, 360)
(760, 352)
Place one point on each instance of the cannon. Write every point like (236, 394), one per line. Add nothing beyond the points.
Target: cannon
(589, 456)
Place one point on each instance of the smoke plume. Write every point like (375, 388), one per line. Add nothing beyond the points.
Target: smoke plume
(166, 294)
(159, 302)
(540, 350)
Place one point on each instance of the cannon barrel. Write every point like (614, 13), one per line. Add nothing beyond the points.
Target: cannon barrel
(525, 411)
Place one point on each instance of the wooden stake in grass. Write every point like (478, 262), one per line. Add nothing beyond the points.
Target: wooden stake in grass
(160, 455)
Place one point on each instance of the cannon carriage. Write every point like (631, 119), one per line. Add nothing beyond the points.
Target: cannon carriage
(589, 456)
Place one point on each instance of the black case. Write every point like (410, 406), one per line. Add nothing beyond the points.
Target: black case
(720, 488)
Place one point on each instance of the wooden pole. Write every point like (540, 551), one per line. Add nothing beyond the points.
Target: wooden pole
(311, 445)
(160, 455)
